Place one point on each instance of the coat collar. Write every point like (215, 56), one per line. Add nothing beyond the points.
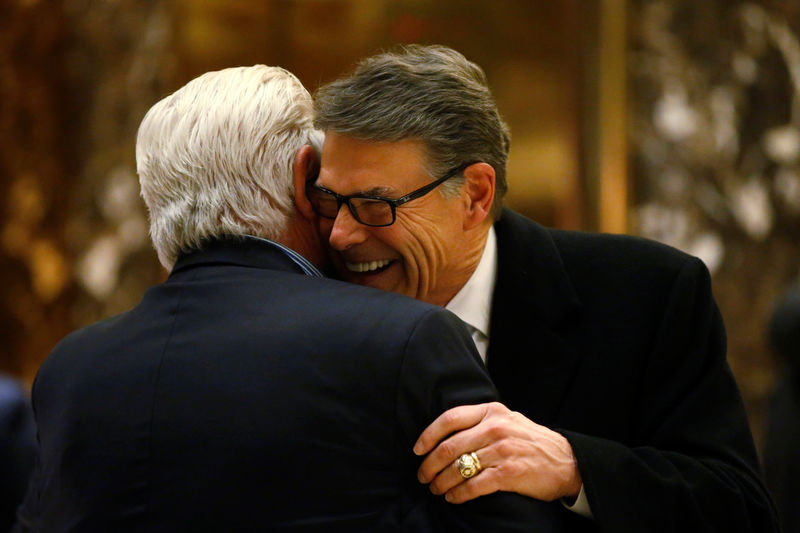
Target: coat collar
(246, 251)
(532, 356)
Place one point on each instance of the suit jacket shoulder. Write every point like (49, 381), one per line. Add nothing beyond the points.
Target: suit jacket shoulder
(238, 393)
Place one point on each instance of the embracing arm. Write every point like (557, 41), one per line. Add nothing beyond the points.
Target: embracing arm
(690, 465)
(442, 370)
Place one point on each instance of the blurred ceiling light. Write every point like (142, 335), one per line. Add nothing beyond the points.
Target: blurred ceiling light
(750, 205)
(674, 117)
(782, 144)
(787, 187)
(98, 269)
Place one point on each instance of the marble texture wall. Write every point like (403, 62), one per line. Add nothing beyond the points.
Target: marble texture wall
(75, 80)
(715, 148)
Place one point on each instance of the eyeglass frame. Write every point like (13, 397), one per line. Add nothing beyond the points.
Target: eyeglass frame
(394, 203)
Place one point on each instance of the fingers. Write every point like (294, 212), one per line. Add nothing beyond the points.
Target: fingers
(450, 476)
(486, 482)
(452, 420)
(516, 455)
(459, 490)
(443, 456)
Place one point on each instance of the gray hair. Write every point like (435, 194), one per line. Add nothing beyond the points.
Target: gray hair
(215, 157)
(428, 93)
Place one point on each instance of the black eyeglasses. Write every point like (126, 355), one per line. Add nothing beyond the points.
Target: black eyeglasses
(366, 209)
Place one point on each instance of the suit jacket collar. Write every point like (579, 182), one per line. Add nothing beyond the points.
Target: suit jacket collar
(239, 250)
(531, 356)
(530, 268)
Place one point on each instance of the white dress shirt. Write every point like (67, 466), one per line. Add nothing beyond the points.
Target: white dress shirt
(473, 305)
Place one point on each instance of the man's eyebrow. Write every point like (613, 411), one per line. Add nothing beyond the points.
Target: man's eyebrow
(374, 191)
(378, 191)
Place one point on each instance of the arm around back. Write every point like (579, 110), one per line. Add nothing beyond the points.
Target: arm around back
(441, 369)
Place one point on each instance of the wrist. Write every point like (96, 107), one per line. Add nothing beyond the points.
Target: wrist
(572, 487)
(573, 482)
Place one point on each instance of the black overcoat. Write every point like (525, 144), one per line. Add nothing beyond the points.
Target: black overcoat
(616, 342)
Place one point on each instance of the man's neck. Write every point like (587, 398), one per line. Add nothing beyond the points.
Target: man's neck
(468, 263)
(302, 237)
(472, 304)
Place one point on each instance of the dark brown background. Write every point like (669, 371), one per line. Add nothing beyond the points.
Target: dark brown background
(673, 119)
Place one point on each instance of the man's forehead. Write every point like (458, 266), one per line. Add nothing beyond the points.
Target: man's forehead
(353, 166)
(374, 184)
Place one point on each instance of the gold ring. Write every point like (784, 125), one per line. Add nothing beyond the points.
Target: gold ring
(468, 465)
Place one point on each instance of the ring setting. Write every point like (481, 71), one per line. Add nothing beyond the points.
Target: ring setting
(468, 465)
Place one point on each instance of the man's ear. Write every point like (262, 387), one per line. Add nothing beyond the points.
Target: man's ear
(479, 189)
(305, 167)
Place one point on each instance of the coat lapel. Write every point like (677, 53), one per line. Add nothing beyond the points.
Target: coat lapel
(530, 358)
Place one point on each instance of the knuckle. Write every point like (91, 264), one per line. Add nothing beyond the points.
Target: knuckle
(450, 417)
(495, 430)
(491, 478)
(516, 416)
(446, 450)
(495, 408)
(469, 490)
(505, 448)
(481, 485)
(426, 469)
(510, 470)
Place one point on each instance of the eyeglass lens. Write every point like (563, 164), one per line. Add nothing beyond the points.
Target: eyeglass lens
(365, 210)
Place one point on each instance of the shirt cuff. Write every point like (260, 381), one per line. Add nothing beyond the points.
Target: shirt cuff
(581, 505)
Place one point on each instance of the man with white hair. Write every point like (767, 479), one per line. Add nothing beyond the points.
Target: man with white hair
(248, 392)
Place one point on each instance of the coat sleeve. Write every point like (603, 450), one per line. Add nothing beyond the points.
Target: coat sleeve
(693, 465)
(441, 369)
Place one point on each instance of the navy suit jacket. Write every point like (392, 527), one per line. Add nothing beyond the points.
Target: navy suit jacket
(616, 341)
(17, 448)
(241, 395)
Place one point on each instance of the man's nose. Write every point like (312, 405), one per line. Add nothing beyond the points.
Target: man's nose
(346, 230)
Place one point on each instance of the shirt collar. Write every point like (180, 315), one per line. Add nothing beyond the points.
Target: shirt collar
(245, 250)
(473, 303)
(304, 264)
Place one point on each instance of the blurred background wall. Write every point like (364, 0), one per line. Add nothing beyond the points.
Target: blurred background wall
(673, 119)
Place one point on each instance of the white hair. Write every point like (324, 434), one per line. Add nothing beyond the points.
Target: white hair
(215, 157)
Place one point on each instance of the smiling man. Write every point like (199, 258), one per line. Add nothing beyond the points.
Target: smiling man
(608, 351)
(421, 253)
